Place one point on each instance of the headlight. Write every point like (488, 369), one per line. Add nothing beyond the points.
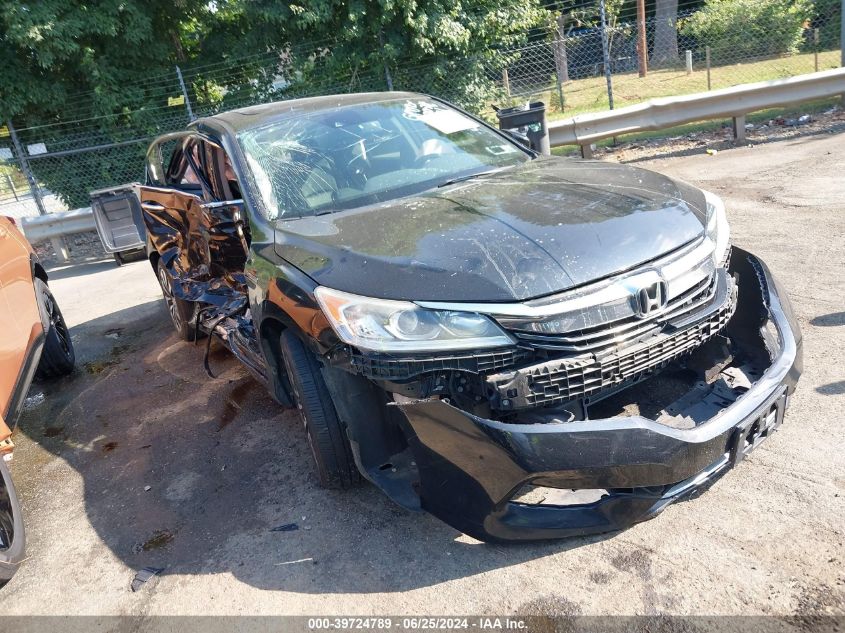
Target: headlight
(717, 227)
(400, 326)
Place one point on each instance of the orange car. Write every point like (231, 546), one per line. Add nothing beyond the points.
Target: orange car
(34, 341)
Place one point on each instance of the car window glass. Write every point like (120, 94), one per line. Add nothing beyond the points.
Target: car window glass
(356, 155)
(160, 159)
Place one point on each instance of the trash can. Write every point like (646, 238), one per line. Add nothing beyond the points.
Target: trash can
(530, 119)
(120, 225)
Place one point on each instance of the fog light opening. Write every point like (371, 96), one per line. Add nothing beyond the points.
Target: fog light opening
(530, 494)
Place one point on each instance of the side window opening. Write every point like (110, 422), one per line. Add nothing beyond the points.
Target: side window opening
(186, 166)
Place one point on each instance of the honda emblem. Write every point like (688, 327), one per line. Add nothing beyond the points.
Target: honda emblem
(651, 299)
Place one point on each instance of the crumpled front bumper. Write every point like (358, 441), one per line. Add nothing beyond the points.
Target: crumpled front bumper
(470, 469)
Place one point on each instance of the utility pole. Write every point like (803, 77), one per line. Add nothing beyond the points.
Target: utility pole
(642, 40)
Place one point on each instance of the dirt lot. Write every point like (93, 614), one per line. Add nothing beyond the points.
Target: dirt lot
(139, 459)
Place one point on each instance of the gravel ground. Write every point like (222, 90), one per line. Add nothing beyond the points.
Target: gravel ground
(139, 459)
(711, 142)
(81, 247)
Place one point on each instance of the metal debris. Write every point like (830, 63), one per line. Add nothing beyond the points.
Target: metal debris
(287, 527)
(143, 576)
(33, 401)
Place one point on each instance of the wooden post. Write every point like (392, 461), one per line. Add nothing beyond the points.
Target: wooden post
(506, 82)
(707, 55)
(816, 47)
(739, 128)
(642, 41)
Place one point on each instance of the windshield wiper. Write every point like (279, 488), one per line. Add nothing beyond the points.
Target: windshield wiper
(453, 181)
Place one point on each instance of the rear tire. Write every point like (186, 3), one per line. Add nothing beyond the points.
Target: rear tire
(182, 313)
(326, 433)
(57, 357)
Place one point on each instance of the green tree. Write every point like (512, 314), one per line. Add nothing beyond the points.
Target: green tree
(78, 73)
(438, 46)
(744, 29)
(56, 49)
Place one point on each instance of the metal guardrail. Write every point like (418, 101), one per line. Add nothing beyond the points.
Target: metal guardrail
(52, 225)
(735, 103)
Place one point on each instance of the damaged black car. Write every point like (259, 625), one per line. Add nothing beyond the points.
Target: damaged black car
(525, 346)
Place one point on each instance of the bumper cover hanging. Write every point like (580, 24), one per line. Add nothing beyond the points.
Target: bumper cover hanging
(471, 469)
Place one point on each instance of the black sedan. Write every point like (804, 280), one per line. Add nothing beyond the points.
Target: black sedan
(525, 346)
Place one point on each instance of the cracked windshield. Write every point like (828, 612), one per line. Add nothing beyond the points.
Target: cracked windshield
(357, 155)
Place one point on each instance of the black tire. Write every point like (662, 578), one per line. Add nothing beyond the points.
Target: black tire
(326, 434)
(182, 313)
(12, 537)
(57, 357)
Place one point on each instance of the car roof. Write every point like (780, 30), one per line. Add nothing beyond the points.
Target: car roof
(257, 115)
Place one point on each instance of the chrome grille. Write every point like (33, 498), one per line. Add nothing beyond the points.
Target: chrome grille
(625, 331)
(566, 379)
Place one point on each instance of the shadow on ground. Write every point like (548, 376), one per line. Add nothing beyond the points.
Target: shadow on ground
(80, 269)
(191, 474)
(829, 320)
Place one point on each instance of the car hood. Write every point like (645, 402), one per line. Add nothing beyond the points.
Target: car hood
(546, 226)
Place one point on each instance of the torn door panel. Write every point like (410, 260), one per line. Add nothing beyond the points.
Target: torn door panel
(200, 245)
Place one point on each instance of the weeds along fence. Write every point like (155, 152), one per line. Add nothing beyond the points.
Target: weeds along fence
(52, 165)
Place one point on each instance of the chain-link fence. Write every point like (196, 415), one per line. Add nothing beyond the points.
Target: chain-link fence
(52, 165)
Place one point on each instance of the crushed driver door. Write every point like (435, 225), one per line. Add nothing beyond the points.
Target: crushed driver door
(197, 236)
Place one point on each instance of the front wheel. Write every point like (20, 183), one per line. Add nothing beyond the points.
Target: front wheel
(326, 433)
(57, 357)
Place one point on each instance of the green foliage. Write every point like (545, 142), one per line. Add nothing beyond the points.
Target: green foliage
(82, 74)
(73, 60)
(53, 49)
(737, 29)
(360, 43)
